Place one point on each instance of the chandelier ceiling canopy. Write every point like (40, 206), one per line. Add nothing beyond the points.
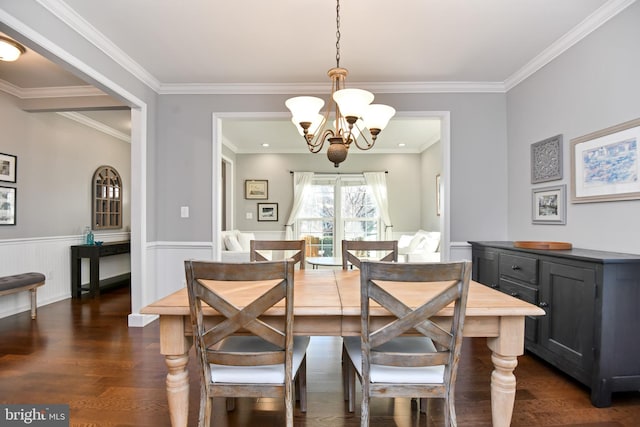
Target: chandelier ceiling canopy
(348, 118)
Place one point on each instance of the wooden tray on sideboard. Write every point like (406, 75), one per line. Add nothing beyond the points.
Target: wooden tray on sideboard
(542, 245)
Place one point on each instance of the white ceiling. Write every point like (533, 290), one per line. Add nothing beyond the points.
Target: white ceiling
(286, 46)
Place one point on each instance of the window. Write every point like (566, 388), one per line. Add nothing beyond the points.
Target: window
(107, 198)
(337, 208)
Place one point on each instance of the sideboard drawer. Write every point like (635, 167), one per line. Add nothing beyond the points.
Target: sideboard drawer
(519, 291)
(520, 268)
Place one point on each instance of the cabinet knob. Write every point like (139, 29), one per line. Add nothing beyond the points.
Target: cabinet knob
(515, 267)
(543, 304)
(514, 294)
(493, 286)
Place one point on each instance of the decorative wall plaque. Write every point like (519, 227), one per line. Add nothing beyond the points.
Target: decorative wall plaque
(546, 160)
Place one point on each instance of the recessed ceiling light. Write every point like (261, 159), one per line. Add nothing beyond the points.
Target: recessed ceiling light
(265, 145)
(10, 50)
(402, 144)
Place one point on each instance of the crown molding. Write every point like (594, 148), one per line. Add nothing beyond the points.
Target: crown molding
(579, 32)
(101, 127)
(76, 22)
(49, 92)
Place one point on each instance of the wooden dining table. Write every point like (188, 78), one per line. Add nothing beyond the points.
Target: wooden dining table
(327, 303)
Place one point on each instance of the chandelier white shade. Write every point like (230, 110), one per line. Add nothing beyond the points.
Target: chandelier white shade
(10, 50)
(349, 114)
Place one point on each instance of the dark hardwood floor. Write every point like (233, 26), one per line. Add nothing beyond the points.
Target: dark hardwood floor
(83, 354)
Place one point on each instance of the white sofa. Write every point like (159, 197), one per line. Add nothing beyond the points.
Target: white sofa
(235, 246)
(423, 246)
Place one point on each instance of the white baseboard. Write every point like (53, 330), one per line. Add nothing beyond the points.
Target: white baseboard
(136, 320)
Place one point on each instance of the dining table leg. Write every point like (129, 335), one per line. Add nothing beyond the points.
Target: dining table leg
(506, 347)
(174, 345)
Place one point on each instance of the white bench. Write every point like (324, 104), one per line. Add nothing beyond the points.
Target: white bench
(23, 282)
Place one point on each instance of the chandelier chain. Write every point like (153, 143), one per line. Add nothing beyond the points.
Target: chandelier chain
(338, 34)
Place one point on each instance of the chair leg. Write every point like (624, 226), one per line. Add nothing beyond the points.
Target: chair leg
(364, 407)
(302, 385)
(204, 419)
(345, 372)
(423, 405)
(231, 403)
(351, 385)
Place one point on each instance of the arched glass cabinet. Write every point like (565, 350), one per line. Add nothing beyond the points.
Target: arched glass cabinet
(107, 198)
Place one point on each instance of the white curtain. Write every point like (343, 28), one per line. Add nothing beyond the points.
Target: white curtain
(301, 183)
(377, 181)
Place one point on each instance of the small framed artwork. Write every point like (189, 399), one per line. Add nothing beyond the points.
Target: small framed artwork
(546, 160)
(8, 165)
(256, 189)
(549, 205)
(605, 165)
(438, 196)
(7, 206)
(267, 211)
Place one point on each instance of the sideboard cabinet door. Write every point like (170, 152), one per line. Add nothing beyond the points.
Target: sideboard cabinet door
(567, 293)
(485, 266)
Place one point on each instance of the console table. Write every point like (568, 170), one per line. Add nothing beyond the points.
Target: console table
(94, 253)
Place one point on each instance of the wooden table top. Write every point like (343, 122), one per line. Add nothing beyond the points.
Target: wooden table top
(337, 293)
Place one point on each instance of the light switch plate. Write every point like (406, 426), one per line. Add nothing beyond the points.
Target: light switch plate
(249, 215)
(184, 212)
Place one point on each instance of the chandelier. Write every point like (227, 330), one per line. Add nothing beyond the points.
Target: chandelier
(348, 115)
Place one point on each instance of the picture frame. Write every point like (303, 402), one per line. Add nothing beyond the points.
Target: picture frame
(256, 189)
(267, 211)
(605, 165)
(546, 160)
(8, 165)
(438, 196)
(8, 205)
(549, 205)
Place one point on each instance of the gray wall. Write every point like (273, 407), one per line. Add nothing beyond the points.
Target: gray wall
(590, 87)
(56, 161)
(431, 160)
(404, 173)
(478, 160)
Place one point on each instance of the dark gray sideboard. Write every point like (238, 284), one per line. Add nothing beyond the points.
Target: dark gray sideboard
(591, 329)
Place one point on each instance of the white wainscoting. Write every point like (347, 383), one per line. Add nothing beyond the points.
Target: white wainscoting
(51, 256)
(459, 251)
(165, 261)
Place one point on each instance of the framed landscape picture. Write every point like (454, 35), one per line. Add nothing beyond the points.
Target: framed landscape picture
(8, 167)
(256, 189)
(267, 211)
(7, 206)
(549, 205)
(605, 165)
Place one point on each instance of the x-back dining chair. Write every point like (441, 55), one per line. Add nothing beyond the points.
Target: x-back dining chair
(265, 359)
(391, 363)
(354, 250)
(293, 249)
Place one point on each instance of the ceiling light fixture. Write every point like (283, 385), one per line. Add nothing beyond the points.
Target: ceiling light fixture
(10, 50)
(351, 110)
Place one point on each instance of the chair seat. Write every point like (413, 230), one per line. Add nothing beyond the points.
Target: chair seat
(266, 374)
(396, 374)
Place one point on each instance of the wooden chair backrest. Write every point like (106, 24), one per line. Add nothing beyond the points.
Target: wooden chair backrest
(236, 319)
(348, 257)
(278, 245)
(456, 277)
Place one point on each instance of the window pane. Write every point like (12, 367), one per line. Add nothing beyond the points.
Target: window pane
(357, 202)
